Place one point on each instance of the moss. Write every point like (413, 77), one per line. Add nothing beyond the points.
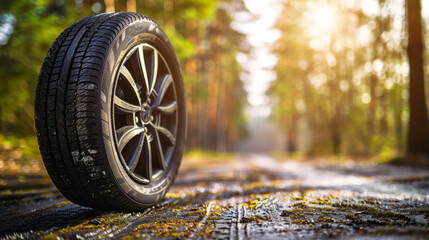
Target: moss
(366, 201)
(173, 195)
(135, 236)
(351, 216)
(302, 222)
(326, 220)
(59, 204)
(286, 213)
(50, 236)
(319, 202)
(260, 201)
(300, 205)
(301, 198)
(370, 210)
(6, 191)
(172, 227)
(104, 223)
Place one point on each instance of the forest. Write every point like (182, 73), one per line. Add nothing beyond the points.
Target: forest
(342, 71)
(349, 77)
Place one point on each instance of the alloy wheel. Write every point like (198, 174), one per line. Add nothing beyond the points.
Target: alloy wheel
(144, 113)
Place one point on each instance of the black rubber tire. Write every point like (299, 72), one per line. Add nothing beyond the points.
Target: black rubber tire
(73, 112)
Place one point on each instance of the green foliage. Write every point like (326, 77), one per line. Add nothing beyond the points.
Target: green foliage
(14, 148)
(195, 10)
(183, 47)
(35, 25)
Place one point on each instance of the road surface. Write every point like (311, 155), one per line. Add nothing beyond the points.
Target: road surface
(248, 197)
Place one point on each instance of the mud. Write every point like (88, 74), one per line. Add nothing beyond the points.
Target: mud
(250, 197)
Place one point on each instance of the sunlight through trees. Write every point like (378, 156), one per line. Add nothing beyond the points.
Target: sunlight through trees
(343, 75)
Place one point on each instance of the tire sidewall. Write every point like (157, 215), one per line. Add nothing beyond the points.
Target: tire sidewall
(140, 31)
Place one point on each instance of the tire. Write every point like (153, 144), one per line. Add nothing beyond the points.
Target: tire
(110, 112)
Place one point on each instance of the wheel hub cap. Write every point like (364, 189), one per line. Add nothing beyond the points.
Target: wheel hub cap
(146, 113)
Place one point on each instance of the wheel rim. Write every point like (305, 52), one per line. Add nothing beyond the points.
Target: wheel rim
(145, 115)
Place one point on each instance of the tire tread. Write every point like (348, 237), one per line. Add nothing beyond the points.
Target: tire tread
(67, 112)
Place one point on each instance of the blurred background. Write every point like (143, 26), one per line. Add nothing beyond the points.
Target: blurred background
(301, 78)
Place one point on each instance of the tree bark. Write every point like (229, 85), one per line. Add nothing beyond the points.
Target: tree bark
(372, 105)
(131, 6)
(169, 14)
(110, 5)
(213, 83)
(1, 120)
(418, 128)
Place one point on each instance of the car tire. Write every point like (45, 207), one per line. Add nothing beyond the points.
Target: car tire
(110, 112)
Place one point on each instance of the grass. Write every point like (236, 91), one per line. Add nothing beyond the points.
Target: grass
(19, 155)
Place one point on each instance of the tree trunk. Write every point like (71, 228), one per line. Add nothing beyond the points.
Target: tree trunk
(213, 83)
(1, 120)
(193, 99)
(220, 122)
(169, 14)
(110, 5)
(372, 105)
(131, 6)
(418, 128)
(291, 145)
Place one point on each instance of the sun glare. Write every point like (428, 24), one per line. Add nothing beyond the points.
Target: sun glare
(321, 19)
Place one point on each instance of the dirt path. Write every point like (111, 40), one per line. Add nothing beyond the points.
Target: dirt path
(252, 197)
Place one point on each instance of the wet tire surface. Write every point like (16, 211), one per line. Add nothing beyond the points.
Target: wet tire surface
(250, 197)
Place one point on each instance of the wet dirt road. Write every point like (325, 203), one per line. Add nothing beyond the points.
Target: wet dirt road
(249, 197)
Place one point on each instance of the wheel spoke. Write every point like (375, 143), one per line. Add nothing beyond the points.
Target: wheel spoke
(136, 156)
(162, 90)
(125, 106)
(154, 70)
(167, 134)
(127, 75)
(169, 108)
(143, 67)
(158, 146)
(148, 158)
(125, 134)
